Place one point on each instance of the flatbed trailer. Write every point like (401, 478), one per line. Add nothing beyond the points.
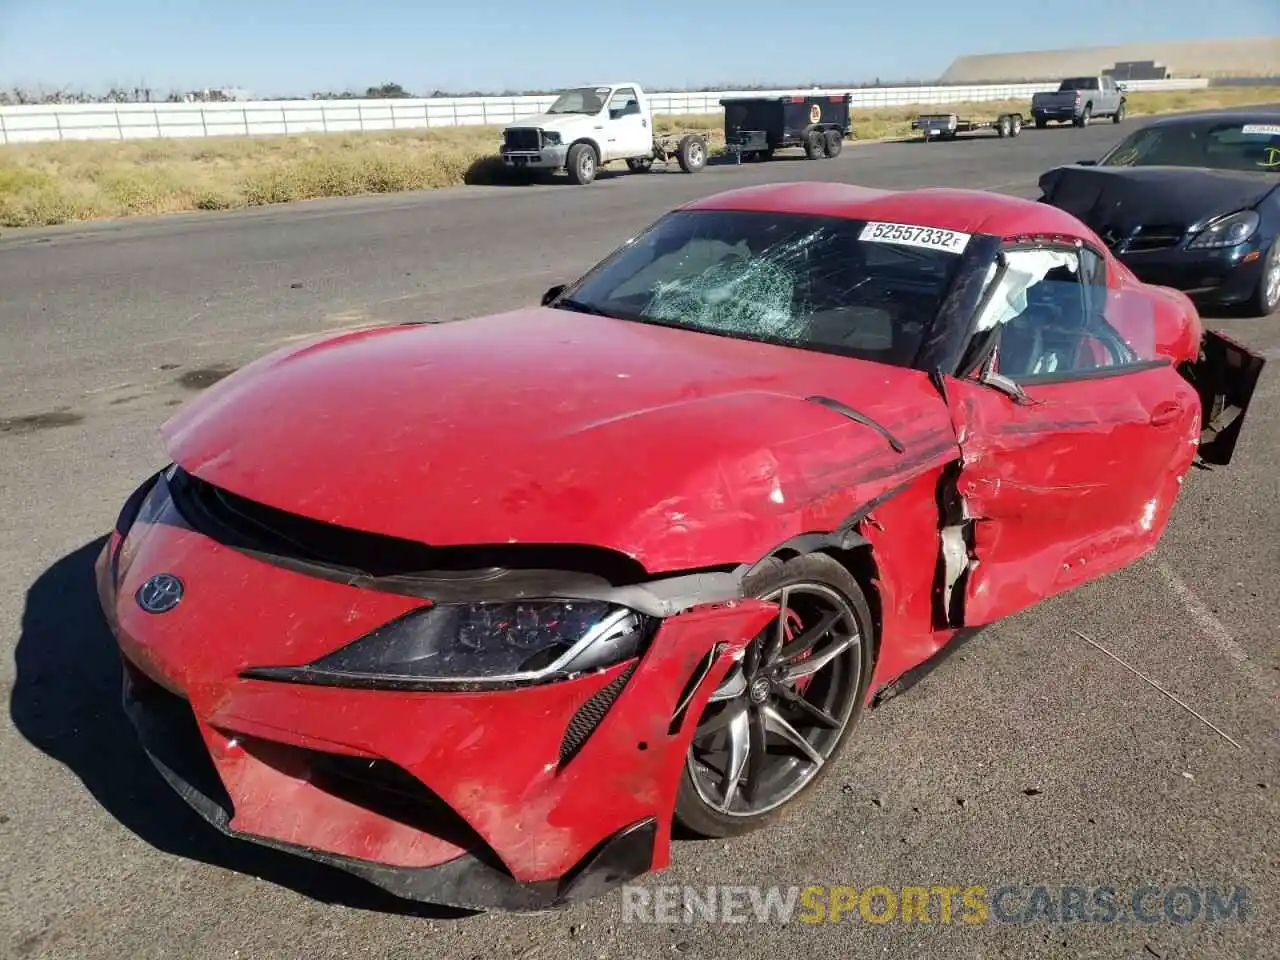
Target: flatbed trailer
(945, 126)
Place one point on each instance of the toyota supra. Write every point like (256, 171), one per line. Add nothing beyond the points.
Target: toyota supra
(482, 611)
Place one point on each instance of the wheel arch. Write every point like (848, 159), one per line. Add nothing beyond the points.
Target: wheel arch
(590, 142)
(852, 551)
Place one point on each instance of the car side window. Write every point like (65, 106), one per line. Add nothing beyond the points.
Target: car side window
(1055, 324)
(624, 102)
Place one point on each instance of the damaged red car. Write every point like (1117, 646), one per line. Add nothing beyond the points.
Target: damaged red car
(478, 611)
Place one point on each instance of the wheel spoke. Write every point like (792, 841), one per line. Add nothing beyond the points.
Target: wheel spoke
(751, 661)
(775, 723)
(739, 752)
(756, 754)
(733, 685)
(809, 639)
(818, 715)
(721, 720)
(780, 636)
(807, 668)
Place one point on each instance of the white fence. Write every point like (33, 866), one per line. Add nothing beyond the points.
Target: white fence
(132, 121)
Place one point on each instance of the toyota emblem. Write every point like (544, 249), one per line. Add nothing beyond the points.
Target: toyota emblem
(160, 594)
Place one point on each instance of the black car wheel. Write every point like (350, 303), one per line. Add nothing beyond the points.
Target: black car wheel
(779, 718)
(1266, 299)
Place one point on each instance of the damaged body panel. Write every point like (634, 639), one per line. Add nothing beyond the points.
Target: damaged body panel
(668, 534)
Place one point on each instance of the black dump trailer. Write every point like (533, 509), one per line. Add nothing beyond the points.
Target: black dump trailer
(754, 127)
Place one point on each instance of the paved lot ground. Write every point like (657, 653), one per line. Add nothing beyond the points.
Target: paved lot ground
(1027, 758)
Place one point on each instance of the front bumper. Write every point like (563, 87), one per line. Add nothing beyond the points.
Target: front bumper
(1217, 277)
(546, 158)
(465, 799)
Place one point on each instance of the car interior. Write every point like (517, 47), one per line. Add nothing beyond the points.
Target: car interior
(1059, 332)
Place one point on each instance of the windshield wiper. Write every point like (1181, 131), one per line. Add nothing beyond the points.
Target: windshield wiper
(577, 306)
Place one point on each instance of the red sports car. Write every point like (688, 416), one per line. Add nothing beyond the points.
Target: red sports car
(477, 611)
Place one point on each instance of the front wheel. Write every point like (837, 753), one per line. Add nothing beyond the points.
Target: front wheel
(772, 728)
(581, 164)
(1266, 298)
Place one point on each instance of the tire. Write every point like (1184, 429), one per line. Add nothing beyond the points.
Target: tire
(1017, 125)
(832, 143)
(692, 153)
(813, 144)
(1266, 297)
(1119, 114)
(1085, 116)
(1041, 123)
(1004, 127)
(818, 587)
(640, 164)
(581, 164)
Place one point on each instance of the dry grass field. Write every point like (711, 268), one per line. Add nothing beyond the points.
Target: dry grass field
(51, 183)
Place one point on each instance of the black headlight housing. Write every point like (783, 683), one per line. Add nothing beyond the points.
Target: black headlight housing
(480, 646)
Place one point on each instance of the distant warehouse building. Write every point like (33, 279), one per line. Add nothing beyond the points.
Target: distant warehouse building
(1252, 57)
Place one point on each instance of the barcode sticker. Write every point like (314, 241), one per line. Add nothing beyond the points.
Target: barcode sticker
(909, 235)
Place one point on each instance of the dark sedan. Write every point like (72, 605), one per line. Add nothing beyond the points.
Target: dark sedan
(1190, 202)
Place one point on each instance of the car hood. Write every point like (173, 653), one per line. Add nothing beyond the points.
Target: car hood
(555, 121)
(679, 449)
(1125, 197)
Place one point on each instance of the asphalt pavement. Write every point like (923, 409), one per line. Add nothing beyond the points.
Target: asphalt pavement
(1027, 758)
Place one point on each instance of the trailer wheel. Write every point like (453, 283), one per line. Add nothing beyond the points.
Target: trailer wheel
(1017, 125)
(1004, 126)
(832, 143)
(581, 164)
(640, 164)
(813, 144)
(692, 153)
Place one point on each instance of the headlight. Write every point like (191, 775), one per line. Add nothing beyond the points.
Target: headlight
(481, 644)
(1226, 231)
(550, 138)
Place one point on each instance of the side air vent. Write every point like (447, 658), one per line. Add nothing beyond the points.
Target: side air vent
(590, 714)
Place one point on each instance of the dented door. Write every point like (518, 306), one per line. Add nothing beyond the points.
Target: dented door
(1066, 488)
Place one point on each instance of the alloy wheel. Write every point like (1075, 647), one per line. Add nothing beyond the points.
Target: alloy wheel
(776, 718)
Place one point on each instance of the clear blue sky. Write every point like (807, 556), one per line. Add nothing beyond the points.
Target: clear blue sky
(282, 47)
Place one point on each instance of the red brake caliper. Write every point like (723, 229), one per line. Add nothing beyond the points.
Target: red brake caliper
(792, 627)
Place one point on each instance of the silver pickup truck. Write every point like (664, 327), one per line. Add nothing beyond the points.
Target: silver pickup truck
(1079, 100)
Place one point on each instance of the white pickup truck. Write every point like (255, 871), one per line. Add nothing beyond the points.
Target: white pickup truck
(590, 126)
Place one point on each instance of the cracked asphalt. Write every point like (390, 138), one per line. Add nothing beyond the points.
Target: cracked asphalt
(1027, 758)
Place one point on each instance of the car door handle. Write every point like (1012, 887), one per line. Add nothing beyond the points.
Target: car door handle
(1165, 414)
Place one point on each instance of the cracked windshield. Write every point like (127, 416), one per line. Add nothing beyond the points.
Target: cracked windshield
(820, 282)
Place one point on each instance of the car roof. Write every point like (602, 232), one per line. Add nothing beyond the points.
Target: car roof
(967, 211)
(1243, 115)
